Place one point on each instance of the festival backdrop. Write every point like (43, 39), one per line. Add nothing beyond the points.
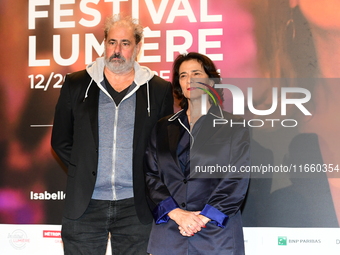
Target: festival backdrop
(282, 55)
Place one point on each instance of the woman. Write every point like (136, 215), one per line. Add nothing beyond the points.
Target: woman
(196, 212)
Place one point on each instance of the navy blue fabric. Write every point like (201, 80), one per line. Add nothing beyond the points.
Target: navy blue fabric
(161, 212)
(183, 148)
(218, 198)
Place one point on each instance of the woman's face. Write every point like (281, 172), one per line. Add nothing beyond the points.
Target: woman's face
(191, 72)
(320, 13)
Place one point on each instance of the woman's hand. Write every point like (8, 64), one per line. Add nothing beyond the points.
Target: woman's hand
(189, 222)
(204, 219)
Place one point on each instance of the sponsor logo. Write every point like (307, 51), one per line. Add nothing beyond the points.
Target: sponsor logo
(51, 234)
(18, 239)
(60, 195)
(282, 240)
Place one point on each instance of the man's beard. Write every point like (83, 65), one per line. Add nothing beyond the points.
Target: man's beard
(116, 63)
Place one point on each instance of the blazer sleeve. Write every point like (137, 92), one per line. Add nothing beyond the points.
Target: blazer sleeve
(228, 196)
(160, 200)
(62, 131)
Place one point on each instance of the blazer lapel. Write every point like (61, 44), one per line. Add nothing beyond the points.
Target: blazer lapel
(140, 115)
(92, 105)
(206, 132)
(174, 130)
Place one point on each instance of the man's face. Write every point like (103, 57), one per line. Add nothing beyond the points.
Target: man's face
(120, 49)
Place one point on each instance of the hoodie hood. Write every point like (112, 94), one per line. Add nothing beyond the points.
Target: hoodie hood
(96, 70)
(142, 76)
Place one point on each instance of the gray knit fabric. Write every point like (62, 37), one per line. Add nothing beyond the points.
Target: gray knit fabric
(116, 127)
(114, 177)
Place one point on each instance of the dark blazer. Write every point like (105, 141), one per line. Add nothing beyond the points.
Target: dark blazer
(168, 185)
(75, 138)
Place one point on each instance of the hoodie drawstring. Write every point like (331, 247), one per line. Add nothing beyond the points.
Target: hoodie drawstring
(148, 96)
(147, 92)
(87, 90)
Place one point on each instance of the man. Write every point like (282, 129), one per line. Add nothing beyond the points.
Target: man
(102, 122)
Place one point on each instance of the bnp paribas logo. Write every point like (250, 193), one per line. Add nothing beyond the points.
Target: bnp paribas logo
(282, 240)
